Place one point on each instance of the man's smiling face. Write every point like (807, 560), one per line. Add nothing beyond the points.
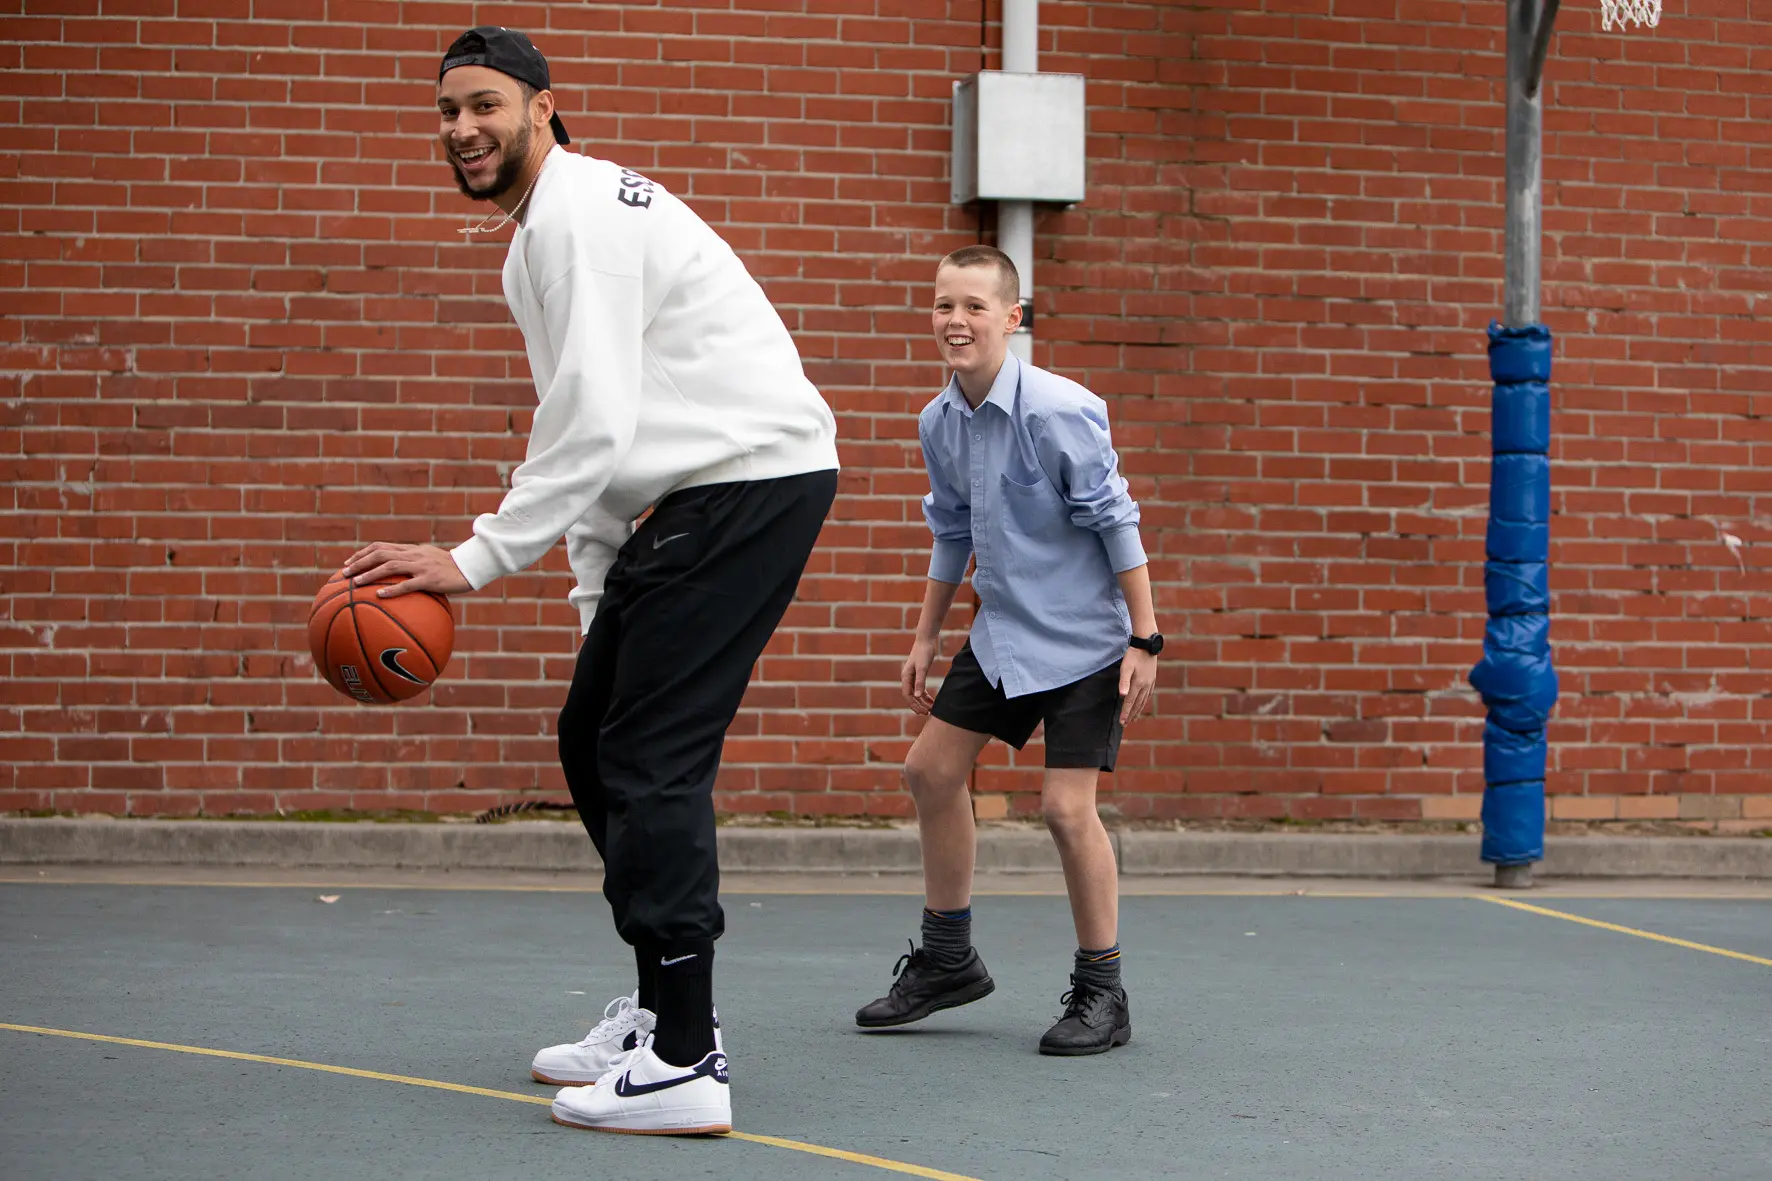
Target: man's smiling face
(487, 129)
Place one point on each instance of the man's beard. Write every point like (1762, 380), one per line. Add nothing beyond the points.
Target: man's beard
(512, 156)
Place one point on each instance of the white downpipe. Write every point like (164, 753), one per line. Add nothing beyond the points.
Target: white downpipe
(1015, 237)
(1021, 36)
(1015, 219)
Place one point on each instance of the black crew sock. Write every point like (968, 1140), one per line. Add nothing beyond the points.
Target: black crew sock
(947, 936)
(1099, 968)
(646, 970)
(685, 975)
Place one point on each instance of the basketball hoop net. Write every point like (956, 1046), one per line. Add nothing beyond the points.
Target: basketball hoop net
(1644, 13)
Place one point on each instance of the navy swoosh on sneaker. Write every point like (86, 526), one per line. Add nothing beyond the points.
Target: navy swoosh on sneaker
(632, 1040)
(713, 1066)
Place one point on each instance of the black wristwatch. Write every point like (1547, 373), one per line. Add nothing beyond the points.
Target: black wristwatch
(1153, 644)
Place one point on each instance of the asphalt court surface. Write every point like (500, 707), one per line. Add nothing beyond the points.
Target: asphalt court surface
(1354, 1030)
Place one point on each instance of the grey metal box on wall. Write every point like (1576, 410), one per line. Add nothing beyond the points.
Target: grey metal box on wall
(1019, 137)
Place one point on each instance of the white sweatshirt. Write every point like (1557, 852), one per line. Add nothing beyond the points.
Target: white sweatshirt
(659, 362)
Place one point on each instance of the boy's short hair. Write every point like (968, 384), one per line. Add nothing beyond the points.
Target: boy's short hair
(1009, 285)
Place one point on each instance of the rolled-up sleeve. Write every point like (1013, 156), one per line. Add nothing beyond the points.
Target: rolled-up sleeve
(949, 514)
(1077, 452)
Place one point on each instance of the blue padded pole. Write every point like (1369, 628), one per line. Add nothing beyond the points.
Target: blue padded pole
(1515, 677)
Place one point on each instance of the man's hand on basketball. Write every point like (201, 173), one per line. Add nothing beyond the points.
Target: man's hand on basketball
(425, 567)
(913, 680)
(1138, 681)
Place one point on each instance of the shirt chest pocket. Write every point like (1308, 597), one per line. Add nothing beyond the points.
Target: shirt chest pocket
(1033, 511)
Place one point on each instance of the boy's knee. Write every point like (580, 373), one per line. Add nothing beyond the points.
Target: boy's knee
(924, 780)
(1068, 817)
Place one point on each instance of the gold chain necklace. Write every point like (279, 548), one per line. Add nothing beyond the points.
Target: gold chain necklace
(482, 227)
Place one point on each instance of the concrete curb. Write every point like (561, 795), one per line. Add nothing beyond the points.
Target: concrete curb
(553, 846)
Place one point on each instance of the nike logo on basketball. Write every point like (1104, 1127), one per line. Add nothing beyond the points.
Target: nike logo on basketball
(658, 541)
(678, 960)
(713, 1066)
(390, 660)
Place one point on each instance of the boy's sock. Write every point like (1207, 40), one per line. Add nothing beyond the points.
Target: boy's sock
(1099, 968)
(685, 974)
(947, 936)
(646, 969)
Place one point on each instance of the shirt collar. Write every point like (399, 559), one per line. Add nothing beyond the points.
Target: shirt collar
(548, 169)
(1002, 393)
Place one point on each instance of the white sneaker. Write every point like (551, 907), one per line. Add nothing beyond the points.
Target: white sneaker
(644, 1095)
(625, 1025)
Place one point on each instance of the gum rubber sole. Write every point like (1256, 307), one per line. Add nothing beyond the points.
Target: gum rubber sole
(705, 1130)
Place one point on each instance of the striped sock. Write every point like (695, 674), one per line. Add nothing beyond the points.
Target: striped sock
(947, 935)
(1099, 968)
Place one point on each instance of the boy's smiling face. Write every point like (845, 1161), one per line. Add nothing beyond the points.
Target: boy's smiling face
(975, 313)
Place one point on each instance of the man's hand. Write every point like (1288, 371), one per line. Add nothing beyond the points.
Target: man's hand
(1138, 681)
(427, 569)
(914, 679)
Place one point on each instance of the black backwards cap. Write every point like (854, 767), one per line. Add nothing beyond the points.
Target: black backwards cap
(507, 51)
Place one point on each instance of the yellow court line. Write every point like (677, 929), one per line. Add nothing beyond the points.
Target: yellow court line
(1604, 926)
(858, 1158)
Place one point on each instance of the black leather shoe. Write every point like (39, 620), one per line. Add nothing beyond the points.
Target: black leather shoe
(924, 987)
(1095, 1021)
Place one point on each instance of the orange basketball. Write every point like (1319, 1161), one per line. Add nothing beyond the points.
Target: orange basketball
(379, 650)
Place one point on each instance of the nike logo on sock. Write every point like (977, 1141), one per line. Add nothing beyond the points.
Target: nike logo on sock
(658, 541)
(678, 960)
(713, 1066)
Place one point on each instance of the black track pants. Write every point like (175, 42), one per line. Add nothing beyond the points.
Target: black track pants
(692, 599)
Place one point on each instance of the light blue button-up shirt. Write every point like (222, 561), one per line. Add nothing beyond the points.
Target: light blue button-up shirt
(1030, 483)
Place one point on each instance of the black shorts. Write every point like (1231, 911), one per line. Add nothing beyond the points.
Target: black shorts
(1082, 718)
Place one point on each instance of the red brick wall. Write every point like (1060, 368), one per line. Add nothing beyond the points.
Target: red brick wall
(241, 335)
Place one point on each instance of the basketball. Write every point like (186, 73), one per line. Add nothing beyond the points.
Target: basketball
(379, 651)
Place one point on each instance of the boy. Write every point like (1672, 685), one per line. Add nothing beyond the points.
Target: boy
(666, 381)
(1023, 474)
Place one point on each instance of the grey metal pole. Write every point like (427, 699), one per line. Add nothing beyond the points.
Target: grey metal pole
(1015, 219)
(1529, 24)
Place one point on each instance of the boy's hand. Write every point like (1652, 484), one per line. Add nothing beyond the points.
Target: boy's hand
(1138, 681)
(914, 679)
(427, 568)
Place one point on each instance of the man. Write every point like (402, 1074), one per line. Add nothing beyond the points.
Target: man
(666, 382)
(1022, 473)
